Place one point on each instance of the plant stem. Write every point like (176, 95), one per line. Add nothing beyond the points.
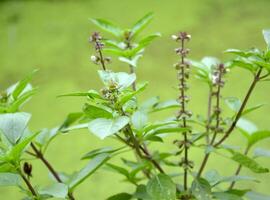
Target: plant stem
(40, 155)
(150, 157)
(132, 70)
(28, 183)
(183, 111)
(250, 90)
(209, 111)
(102, 59)
(146, 152)
(217, 111)
(231, 128)
(237, 172)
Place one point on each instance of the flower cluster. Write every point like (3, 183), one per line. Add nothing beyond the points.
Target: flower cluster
(218, 83)
(183, 70)
(96, 39)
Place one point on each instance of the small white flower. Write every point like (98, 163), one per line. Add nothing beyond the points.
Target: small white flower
(93, 58)
(174, 37)
(215, 78)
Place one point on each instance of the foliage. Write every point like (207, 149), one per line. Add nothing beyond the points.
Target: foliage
(116, 112)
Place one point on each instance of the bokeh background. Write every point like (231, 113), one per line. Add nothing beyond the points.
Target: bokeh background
(53, 37)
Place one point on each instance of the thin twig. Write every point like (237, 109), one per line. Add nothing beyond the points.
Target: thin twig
(40, 156)
(182, 75)
(238, 115)
(252, 86)
(209, 111)
(237, 172)
(217, 112)
(28, 183)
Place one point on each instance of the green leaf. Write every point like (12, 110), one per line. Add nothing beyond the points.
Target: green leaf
(18, 149)
(257, 196)
(139, 119)
(213, 177)
(121, 80)
(13, 125)
(210, 62)
(96, 152)
(166, 105)
(105, 127)
(226, 196)
(70, 119)
(46, 135)
(263, 64)
(75, 127)
(108, 26)
(258, 136)
(168, 130)
(142, 44)
(201, 189)
(237, 52)
(233, 103)
(259, 152)
(248, 163)
(149, 104)
(141, 24)
(250, 109)
(133, 61)
(266, 35)
(120, 196)
(24, 97)
(155, 126)
(114, 51)
(9, 179)
(91, 94)
(245, 64)
(97, 111)
(247, 126)
(57, 190)
(126, 96)
(21, 85)
(88, 170)
(237, 178)
(161, 187)
(118, 169)
(141, 193)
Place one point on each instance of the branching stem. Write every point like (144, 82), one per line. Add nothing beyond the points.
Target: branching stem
(40, 156)
(238, 115)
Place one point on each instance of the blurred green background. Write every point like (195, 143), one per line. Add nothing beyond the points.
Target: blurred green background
(53, 36)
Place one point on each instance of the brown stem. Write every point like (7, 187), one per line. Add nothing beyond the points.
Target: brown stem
(183, 111)
(231, 128)
(146, 153)
(206, 157)
(252, 86)
(132, 70)
(28, 183)
(40, 155)
(102, 59)
(150, 157)
(237, 172)
(209, 111)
